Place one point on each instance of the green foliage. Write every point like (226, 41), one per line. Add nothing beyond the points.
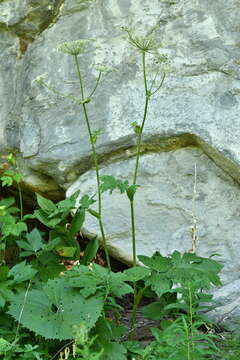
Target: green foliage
(229, 345)
(10, 279)
(56, 217)
(189, 273)
(110, 183)
(9, 223)
(53, 310)
(10, 177)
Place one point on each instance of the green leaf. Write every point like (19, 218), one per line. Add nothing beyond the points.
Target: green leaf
(7, 202)
(44, 219)
(156, 262)
(117, 284)
(22, 272)
(34, 239)
(136, 127)
(14, 229)
(4, 346)
(109, 183)
(66, 251)
(45, 204)
(94, 213)
(86, 201)
(137, 273)
(153, 311)
(90, 251)
(4, 270)
(52, 244)
(53, 311)
(48, 266)
(131, 190)
(77, 221)
(159, 283)
(114, 351)
(5, 293)
(6, 180)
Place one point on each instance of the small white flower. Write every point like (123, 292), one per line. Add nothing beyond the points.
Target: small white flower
(76, 47)
(103, 68)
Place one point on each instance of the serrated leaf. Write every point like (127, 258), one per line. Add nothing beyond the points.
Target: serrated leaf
(159, 283)
(48, 266)
(53, 311)
(14, 229)
(110, 183)
(137, 273)
(114, 351)
(22, 272)
(156, 262)
(6, 180)
(35, 239)
(117, 285)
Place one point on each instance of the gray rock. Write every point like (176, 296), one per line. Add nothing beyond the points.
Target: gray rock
(166, 209)
(197, 106)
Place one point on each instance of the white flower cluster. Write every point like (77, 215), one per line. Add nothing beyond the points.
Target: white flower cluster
(76, 47)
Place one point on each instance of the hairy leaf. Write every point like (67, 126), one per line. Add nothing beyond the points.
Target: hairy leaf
(53, 311)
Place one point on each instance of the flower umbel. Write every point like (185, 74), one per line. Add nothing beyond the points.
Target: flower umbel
(76, 47)
(145, 44)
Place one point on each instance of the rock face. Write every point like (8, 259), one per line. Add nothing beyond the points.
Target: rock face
(195, 117)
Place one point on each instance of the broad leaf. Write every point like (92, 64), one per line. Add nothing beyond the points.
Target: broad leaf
(53, 311)
(137, 273)
(22, 272)
(45, 204)
(156, 262)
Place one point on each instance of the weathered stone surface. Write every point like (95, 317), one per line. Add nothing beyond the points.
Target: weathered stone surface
(165, 213)
(200, 99)
(28, 18)
(198, 106)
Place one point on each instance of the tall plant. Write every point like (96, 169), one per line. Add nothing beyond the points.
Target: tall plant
(145, 45)
(76, 49)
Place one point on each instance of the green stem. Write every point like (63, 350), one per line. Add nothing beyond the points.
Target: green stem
(95, 160)
(191, 314)
(139, 140)
(138, 296)
(96, 86)
(20, 201)
(133, 233)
